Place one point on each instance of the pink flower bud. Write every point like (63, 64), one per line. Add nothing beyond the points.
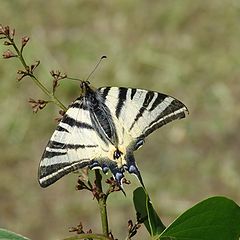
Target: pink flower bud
(8, 54)
(1, 29)
(24, 41)
(6, 30)
(6, 43)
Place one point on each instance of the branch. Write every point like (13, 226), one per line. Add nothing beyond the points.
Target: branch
(28, 70)
(88, 236)
(102, 199)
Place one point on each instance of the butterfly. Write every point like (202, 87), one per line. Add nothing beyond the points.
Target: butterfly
(102, 128)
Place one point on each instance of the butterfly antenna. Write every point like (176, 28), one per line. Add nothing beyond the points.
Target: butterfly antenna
(75, 79)
(96, 66)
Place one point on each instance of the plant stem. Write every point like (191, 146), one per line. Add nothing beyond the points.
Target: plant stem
(37, 82)
(88, 236)
(102, 199)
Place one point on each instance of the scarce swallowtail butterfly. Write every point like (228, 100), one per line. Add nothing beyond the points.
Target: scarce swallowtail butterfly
(102, 128)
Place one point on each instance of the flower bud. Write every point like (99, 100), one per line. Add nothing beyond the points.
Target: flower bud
(13, 32)
(1, 29)
(24, 41)
(6, 30)
(8, 54)
(6, 43)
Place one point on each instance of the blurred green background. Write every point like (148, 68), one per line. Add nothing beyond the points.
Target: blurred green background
(188, 49)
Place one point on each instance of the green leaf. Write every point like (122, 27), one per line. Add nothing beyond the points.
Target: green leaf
(216, 218)
(7, 235)
(144, 206)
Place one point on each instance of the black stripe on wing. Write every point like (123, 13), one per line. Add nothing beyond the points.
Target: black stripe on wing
(73, 122)
(51, 154)
(79, 104)
(47, 175)
(160, 98)
(133, 92)
(60, 145)
(61, 129)
(175, 110)
(148, 98)
(104, 92)
(101, 117)
(122, 95)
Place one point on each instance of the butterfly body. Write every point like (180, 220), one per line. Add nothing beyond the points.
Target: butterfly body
(102, 128)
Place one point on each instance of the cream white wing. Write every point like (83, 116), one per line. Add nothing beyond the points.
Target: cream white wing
(139, 111)
(73, 145)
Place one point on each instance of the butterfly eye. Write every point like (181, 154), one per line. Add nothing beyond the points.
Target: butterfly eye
(139, 144)
(117, 154)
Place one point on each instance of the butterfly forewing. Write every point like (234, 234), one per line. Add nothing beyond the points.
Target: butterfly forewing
(72, 146)
(139, 111)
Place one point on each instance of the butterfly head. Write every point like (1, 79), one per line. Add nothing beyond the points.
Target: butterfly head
(85, 86)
